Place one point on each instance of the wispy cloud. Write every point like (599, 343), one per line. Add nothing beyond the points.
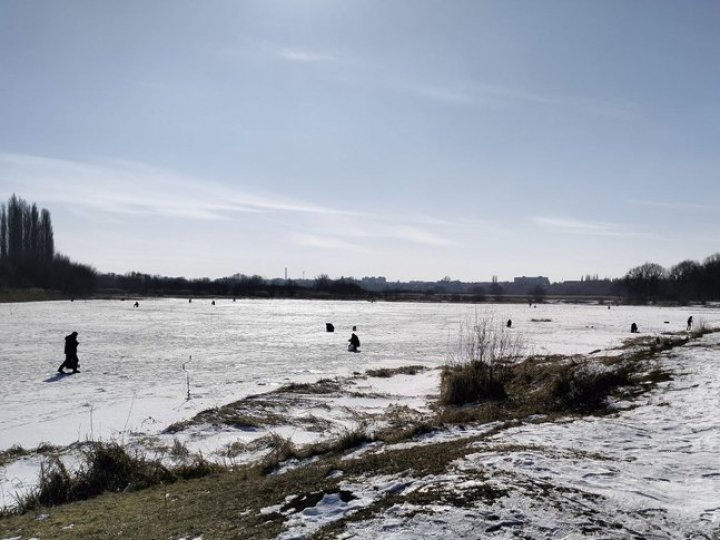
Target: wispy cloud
(304, 56)
(443, 94)
(475, 93)
(420, 236)
(592, 228)
(326, 242)
(673, 205)
(123, 187)
(375, 229)
(365, 72)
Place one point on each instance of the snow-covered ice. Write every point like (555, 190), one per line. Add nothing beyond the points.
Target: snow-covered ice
(135, 363)
(133, 379)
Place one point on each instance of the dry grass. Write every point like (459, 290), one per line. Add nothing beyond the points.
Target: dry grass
(473, 382)
(243, 414)
(105, 467)
(323, 386)
(227, 505)
(480, 365)
(16, 451)
(283, 449)
(702, 329)
(390, 372)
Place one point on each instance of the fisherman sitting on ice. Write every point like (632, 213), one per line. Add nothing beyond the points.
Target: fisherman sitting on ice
(354, 343)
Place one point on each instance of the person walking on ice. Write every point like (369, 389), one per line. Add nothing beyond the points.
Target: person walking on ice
(71, 359)
(689, 323)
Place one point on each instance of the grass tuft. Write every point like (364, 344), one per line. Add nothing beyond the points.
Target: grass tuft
(105, 467)
(473, 382)
(389, 372)
(323, 386)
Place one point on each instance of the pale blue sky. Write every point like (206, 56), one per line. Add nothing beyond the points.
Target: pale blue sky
(411, 139)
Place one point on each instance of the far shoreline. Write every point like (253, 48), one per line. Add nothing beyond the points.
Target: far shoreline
(8, 296)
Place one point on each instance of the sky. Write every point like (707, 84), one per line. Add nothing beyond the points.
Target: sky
(413, 139)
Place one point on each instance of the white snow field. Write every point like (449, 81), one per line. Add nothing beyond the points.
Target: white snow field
(649, 471)
(657, 464)
(132, 359)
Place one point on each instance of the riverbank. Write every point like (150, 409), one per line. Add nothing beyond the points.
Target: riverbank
(30, 295)
(629, 471)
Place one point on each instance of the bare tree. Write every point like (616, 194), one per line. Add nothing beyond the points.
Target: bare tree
(45, 237)
(643, 282)
(3, 236)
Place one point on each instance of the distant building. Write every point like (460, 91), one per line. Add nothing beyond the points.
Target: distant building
(531, 282)
(373, 283)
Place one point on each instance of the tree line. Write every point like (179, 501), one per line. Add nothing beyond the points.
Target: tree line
(28, 259)
(237, 285)
(687, 281)
(27, 252)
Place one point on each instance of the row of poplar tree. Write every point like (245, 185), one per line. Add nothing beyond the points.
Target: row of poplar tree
(27, 252)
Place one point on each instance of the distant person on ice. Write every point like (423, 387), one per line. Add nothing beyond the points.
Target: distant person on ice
(354, 343)
(509, 323)
(633, 328)
(690, 321)
(71, 359)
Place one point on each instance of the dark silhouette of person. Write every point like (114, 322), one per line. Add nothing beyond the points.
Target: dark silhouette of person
(213, 302)
(509, 323)
(71, 359)
(689, 323)
(354, 343)
(189, 300)
(137, 304)
(633, 328)
(329, 327)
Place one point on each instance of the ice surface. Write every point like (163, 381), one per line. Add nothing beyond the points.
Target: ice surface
(132, 360)
(135, 365)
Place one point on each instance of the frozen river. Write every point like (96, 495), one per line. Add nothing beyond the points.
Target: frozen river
(133, 360)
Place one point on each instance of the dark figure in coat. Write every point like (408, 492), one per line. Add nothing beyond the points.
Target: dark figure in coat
(690, 321)
(71, 359)
(633, 328)
(354, 343)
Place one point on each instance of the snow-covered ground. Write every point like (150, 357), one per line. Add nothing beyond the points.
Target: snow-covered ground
(651, 470)
(132, 360)
(136, 362)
